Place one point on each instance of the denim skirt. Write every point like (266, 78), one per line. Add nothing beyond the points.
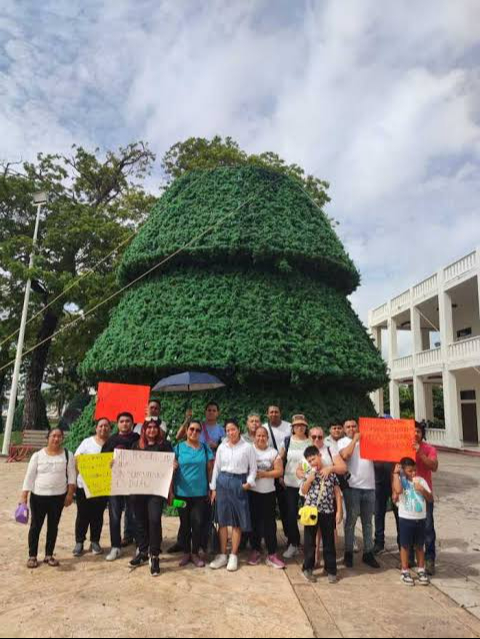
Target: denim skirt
(232, 502)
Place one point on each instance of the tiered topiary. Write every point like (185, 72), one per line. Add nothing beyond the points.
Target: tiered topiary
(260, 301)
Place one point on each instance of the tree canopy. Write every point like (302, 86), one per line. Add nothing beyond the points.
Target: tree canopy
(95, 204)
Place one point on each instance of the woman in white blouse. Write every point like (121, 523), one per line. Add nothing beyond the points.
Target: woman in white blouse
(233, 475)
(51, 483)
(90, 511)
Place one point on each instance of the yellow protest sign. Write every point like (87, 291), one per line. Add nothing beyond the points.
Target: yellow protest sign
(96, 473)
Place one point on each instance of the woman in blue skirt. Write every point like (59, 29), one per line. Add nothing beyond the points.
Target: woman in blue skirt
(233, 475)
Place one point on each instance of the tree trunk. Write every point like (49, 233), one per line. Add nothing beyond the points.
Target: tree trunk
(3, 378)
(33, 414)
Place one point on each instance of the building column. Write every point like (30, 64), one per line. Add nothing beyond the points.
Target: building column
(428, 389)
(425, 339)
(392, 339)
(453, 423)
(377, 396)
(416, 330)
(478, 280)
(446, 322)
(419, 398)
(394, 399)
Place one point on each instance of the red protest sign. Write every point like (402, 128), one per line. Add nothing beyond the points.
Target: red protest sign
(117, 398)
(386, 440)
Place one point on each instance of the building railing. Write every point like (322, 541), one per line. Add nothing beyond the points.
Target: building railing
(436, 436)
(464, 349)
(427, 286)
(429, 358)
(403, 363)
(380, 312)
(400, 301)
(460, 266)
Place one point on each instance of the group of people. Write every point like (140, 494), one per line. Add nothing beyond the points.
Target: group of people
(224, 480)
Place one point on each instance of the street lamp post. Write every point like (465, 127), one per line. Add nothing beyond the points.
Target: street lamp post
(39, 199)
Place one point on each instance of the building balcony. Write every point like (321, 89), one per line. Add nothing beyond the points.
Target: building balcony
(452, 275)
(461, 354)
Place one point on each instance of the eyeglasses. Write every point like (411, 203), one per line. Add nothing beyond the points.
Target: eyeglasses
(194, 430)
(317, 436)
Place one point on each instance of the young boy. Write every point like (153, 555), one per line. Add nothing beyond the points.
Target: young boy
(413, 493)
(321, 492)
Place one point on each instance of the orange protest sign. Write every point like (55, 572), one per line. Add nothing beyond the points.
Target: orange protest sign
(117, 398)
(386, 440)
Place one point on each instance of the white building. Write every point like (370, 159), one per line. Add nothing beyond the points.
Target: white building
(442, 316)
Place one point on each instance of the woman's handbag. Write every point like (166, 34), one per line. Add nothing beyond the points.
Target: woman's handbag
(22, 514)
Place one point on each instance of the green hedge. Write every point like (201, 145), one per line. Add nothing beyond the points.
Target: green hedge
(280, 228)
(246, 326)
(322, 405)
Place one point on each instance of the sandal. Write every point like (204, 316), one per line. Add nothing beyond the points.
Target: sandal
(51, 561)
(32, 562)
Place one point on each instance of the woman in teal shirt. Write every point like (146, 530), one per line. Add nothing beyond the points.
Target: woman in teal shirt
(194, 465)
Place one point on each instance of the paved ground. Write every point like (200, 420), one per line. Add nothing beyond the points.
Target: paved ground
(88, 598)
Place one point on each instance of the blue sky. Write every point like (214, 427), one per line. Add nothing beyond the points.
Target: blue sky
(382, 99)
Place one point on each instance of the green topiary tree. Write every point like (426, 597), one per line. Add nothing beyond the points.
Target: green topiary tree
(261, 301)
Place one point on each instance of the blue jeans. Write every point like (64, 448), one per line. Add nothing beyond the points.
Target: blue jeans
(359, 503)
(116, 505)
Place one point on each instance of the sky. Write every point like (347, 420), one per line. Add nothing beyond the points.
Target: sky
(381, 99)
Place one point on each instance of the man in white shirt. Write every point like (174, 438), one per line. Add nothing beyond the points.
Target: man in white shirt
(336, 434)
(359, 496)
(278, 431)
(153, 410)
(277, 427)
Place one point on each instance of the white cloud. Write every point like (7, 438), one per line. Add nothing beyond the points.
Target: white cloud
(381, 99)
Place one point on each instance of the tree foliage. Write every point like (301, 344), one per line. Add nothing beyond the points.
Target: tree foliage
(200, 153)
(95, 204)
(257, 218)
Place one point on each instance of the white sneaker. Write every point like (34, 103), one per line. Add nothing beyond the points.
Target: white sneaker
(114, 553)
(220, 561)
(232, 565)
(292, 551)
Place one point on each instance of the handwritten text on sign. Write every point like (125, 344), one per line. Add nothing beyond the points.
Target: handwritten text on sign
(142, 473)
(96, 474)
(386, 440)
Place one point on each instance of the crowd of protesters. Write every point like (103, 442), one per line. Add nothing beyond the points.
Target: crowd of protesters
(230, 484)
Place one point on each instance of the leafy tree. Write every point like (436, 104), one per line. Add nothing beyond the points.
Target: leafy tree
(95, 204)
(200, 153)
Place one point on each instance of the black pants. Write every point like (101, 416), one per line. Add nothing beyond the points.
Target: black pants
(41, 507)
(193, 524)
(282, 506)
(264, 525)
(89, 515)
(148, 520)
(116, 506)
(326, 523)
(292, 498)
(383, 491)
